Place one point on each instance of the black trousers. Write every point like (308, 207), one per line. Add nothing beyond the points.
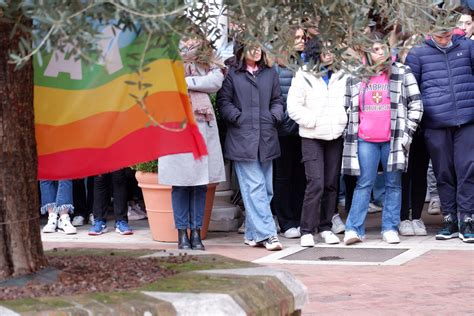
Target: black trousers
(134, 192)
(350, 182)
(83, 201)
(322, 162)
(452, 154)
(414, 183)
(102, 184)
(288, 183)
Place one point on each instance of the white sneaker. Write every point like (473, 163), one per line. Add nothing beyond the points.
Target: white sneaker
(293, 232)
(135, 213)
(435, 206)
(251, 243)
(351, 237)
(91, 219)
(273, 243)
(329, 237)
(78, 221)
(241, 229)
(52, 224)
(65, 225)
(406, 228)
(419, 227)
(391, 237)
(373, 208)
(337, 224)
(307, 240)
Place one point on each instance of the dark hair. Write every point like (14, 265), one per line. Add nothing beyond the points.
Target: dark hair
(467, 11)
(378, 37)
(313, 50)
(374, 37)
(239, 62)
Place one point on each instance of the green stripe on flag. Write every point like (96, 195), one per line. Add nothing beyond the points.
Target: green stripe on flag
(94, 75)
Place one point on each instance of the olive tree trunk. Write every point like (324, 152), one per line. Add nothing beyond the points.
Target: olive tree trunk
(21, 251)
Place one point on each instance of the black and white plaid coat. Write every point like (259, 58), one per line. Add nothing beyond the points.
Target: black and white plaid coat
(406, 112)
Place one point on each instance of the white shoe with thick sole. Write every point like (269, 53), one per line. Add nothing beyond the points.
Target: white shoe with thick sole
(307, 240)
(434, 208)
(338, 226)
(291, 233)
(52, 224)
(351, 237)
(406, 228)
(253, 243)
(419, 227)
(135, 213)
(273, 243)
(78, 221)
(329, 237)
(373, 208)
(390, 237)
(65, 226)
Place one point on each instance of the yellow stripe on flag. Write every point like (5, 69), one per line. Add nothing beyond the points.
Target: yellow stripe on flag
(50, 109)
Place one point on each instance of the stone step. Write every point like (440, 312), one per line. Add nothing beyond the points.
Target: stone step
(224, 226)
(225, 212)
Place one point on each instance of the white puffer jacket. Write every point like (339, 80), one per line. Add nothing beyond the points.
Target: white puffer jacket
(316, 107)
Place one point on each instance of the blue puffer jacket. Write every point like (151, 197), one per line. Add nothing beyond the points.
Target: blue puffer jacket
(446, 80)
(288, 126)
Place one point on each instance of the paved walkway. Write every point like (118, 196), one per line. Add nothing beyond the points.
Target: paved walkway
(429, 278)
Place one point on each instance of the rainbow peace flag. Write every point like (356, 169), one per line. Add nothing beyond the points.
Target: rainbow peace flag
(128, 108)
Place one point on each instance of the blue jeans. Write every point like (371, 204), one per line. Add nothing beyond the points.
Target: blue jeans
(369, 156)
(378, 191)
(255, 181)
(56, 195)
(188, 203)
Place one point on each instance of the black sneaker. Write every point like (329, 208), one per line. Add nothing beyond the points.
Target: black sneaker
(450, 228)
(466, 230)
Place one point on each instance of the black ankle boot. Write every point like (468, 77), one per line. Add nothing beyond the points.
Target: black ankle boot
(196, 242)
(183, 239)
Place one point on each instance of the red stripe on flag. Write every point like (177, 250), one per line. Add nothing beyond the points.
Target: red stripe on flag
(142, 145)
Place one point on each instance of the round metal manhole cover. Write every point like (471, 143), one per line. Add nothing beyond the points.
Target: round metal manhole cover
(330, 258)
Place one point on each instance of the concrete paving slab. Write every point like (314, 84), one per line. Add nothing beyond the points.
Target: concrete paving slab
(190, 304)
(7, 312)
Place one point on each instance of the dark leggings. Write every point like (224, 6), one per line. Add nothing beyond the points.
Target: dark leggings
(414, 183)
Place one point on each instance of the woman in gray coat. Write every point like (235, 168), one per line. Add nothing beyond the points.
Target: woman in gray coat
(250, 103)
(190, 177)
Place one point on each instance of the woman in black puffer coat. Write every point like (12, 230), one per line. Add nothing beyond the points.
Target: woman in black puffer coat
(250, 103)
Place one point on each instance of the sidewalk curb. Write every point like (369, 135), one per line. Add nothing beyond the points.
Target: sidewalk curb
(296, 287)
(246, 291)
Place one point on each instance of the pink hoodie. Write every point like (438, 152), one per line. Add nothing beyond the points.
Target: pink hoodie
(374, 114)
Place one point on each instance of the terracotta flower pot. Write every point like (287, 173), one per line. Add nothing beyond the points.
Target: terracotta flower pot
(211, 192)
(159, 208)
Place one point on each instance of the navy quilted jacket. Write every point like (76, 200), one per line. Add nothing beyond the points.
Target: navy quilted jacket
(446, 80)
(288, 126)
(286, 76)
